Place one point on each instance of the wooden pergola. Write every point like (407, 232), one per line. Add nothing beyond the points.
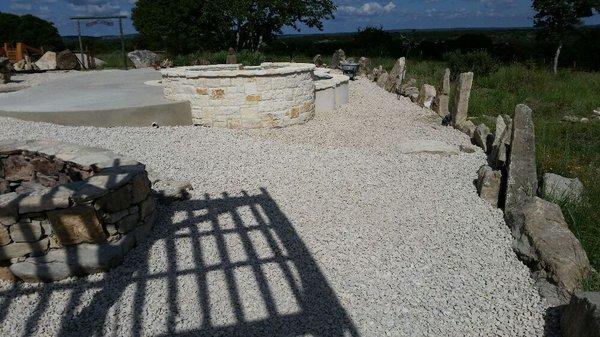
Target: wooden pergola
(85, 18)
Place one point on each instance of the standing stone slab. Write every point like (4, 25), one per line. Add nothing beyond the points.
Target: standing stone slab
(460, 99)
(396, 76)
(338, 57)
(364, 66)
(502, 138)
(446, 83)
(481, 136)
(522, 170)
(382, 79)
(77, 225)
(581, 318)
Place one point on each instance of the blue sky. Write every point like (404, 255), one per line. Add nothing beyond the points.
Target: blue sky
(351, 14)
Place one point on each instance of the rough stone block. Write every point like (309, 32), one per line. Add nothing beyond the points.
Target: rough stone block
(481, 136)
(128, 223)
(440, 105)
(147, 207)
(4, 235)
(26, 231)
(560, 188)
(396, 76)
(46, 200)
(77, 225)
(426, 96)
(19, 249)
(446, 83)
(460, 100)
(9, 208)
(488, 184)
(140, 188)
(17, 168)
(116, 201)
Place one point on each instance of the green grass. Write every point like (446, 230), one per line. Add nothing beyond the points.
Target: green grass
(568, 149)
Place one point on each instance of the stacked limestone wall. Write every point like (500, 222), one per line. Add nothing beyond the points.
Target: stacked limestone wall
(233, 96)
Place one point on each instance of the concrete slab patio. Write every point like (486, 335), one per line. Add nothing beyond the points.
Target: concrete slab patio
(97, 98)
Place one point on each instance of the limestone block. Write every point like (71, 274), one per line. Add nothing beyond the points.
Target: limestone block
(76, 225)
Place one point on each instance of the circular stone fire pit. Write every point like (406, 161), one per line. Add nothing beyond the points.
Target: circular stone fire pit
(234, 96)
(68, 210)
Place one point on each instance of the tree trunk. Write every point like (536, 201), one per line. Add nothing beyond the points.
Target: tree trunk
(556, 56)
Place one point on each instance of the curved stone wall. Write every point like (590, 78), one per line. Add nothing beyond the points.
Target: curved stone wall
(68, 210)
(234, 96)
(331, 90)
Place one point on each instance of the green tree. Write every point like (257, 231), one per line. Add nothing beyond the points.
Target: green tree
(186, 25)
(558, 18)
(30, 30)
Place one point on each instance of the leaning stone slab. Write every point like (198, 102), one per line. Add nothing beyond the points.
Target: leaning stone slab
(502, 139)
(561, 189)
(382, 79)
(396, 76)
(557, 250)
(522, 170)
(460, 99)
(581, 318)
(481, 136)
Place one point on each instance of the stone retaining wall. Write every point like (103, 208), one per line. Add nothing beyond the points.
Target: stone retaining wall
(68, 210)
(234, 96)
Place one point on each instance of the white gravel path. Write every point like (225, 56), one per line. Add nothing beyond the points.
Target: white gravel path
(352, 235)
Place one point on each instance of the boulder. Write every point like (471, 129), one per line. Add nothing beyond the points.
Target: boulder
(481, 137)
(318, 60)
(338, 57)
(426, 96)
(560, 188)
(488, 184)
(460, 98)
(47, 61)
(144, 59)
(66, 60)
(382, 79)
(581, 317)
(396, 76)
(364, 66)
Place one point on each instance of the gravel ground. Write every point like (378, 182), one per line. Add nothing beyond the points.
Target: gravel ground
(324, 229)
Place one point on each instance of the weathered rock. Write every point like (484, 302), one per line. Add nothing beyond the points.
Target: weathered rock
(426, 96)
(502, 139)
(7, 276)
(488, 184)
(66, 60)
(19, 249)
(140, 188)
(581, 318)
(396, 76)
(364, 66)
(440, 105)
(467, 127)
(144, 59)
(168, 191)
(47, 166)
(4, 186)
(116, 201)
(338, 57)
(318, 60)
(446, 83)
(128, 223)
(4, 235)
(9, 208)
(17, 168)
(45, 200)
(552, 245)
(47, 61)
(382, 79)
(147, 207)
(560, 188)
(76, 225)
(231, 57)
(481, 137)
(410, 91)
(460, 99)
(522, 175)
(26, 231)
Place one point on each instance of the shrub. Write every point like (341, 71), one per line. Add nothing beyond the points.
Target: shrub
(478, 62)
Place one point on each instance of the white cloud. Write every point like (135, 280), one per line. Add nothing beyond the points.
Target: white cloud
(369, 8)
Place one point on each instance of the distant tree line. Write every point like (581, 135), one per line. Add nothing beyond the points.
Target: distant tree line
(31, 30)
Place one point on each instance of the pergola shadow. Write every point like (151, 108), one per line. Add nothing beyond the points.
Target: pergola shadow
(285, 280)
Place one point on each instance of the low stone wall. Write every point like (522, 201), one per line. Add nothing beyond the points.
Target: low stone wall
(68, 210)
(331, 90)
(234, 96)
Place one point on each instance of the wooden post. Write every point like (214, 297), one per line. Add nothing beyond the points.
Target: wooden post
(122, 43)
(19, 51)
(80, 43)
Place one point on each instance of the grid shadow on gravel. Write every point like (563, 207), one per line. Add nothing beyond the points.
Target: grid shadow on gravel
(277, 275)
